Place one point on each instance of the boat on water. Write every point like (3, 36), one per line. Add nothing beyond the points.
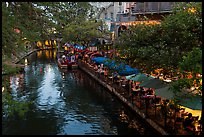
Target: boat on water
(67, 61)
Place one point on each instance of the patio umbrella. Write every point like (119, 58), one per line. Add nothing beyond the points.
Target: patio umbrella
(165, 92)
(128, 71)
(111, 64)
(192, 101)
(153, 83)
(99, 60)
(129, 77)
(96, 55)
(141, 77)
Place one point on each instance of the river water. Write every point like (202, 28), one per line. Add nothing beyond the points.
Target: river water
(66, 102)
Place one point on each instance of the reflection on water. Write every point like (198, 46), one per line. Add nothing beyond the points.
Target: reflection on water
(66, 102)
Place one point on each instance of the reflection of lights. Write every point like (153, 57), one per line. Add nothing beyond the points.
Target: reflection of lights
(26, 62)
(47, 54)
(2, 89)
(49, 69)
(63, 77)
(39, 54)
(54, 56)
(55, 43)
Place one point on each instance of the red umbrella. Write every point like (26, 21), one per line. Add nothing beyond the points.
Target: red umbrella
(84, 51)
(96, 55)
(89, 53)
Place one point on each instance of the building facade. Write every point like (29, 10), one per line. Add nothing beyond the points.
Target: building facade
(123, 14)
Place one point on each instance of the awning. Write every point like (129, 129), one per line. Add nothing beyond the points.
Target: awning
(111, 64)
(153, 83)
(140, 77)
(191, 101)
(128, 71)
(96, 55)
(165, 92)
(99, 60)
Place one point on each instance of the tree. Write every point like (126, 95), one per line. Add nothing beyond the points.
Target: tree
(38, 21)
(83, 32)
(164, 45)
(191, 63)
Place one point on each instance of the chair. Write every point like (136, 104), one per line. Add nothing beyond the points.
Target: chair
(179, 123)
(196, 118)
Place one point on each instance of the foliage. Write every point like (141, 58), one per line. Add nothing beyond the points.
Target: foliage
(35, 21)
(13, 108)
(10, 70)
(38, 21)
(192, 62)
(164, 45)
(83, 32)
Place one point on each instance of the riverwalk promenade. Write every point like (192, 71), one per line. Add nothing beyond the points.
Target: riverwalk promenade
(152, 114)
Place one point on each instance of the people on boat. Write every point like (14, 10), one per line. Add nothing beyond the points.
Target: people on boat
(63, 60)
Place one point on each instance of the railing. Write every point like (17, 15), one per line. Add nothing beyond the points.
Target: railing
(149, 7)
(162, 114)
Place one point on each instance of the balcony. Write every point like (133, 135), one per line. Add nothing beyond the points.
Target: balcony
(152, 7)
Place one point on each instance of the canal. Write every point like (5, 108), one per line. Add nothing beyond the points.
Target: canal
(66, 102)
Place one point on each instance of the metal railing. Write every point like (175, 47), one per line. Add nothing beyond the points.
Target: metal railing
(162, 114)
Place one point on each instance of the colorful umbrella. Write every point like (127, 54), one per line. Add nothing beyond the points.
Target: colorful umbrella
(153, 83)
(165, 92)
(141, 77)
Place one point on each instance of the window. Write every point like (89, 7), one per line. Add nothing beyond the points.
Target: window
(120, 3)
(106, 15)
(111, 16)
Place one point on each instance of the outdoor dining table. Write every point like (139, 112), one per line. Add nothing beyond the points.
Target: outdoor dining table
(135, 91)
(148, 96)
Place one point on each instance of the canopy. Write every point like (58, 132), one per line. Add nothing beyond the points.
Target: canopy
(96, 55)
(110, 63)
(79, 47)
(140, 77)
(185, 99)
(99, 60)
(128, 71)
(122, 69)
(89, 53)
(193, 101)
(121, 66)
(165, 92)
(153, 83)
(129, 77)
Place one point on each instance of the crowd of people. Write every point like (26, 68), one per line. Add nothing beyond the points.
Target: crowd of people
(146, 97)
